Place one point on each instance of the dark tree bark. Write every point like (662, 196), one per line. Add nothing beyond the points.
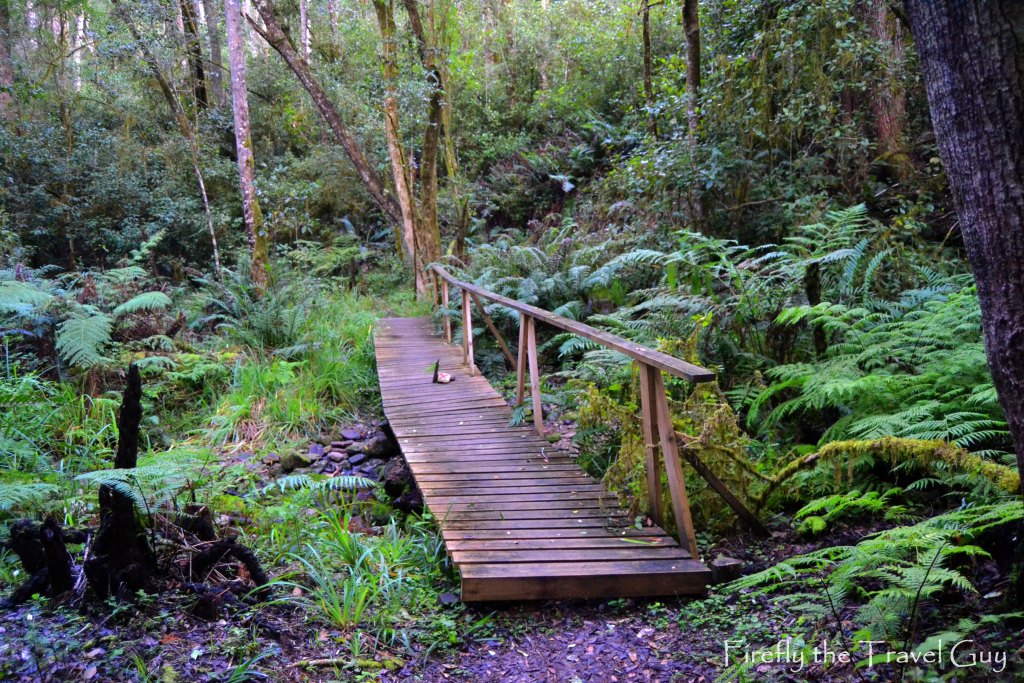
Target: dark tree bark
(691, 27)
(276, 38)
(972, 58)
(122, 561)
(194, 50)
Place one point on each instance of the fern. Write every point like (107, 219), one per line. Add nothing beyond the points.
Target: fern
(892, 573)
(157, 479)
(80, 341)
(315, 484)
(25, 496)
(146, 301)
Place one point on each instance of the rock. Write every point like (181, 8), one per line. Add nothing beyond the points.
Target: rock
(724, 569)
(380, 446)
(272, 458)
(356, 458)
(553, 437)
(396, 477)
(448, 598)
(293, 461)
(351, 434)
(411, 502)
(336, 456)
(365, 497)
(315, 451)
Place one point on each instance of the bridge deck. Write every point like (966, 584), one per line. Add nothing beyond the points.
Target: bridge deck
(519, 518)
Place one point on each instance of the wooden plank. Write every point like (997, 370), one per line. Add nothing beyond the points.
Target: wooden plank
(464, 557)
(582, 542)
(492, 483)
(676, 480)
(516, 528)
(525, 491)
(499, 515)
(648, 417)
(562, 580)
(512, 533)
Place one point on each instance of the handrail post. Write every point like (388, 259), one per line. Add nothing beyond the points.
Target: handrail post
(673, 465)
(531, 356)
(521, 361)
(467, 334)
(446, 317)
(648, 407)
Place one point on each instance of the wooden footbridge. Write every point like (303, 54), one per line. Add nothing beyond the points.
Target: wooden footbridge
(519, 518)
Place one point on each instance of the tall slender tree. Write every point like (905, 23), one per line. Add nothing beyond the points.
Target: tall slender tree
(972, 58)
(254, 225)
(194, 52)
(6, 62)
(691, 27)
(217, 83)
(645, 20)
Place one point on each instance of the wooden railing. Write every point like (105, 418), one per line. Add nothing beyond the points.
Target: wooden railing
(657, 421)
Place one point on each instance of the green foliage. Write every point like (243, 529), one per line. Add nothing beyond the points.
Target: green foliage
(158, 478)
(891, 576)
(818, 514)
(146, 301)
(80, 341)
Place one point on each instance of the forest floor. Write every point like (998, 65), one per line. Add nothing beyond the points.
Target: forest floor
(161, 638)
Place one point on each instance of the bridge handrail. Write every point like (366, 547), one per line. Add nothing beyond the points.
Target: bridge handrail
(649, 356)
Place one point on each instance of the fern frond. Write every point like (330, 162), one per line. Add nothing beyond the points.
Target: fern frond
(146, 301)
(80, 341)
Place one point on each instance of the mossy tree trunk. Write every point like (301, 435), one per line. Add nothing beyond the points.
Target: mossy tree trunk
(255, 227)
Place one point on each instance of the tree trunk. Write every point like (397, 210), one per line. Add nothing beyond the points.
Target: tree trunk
(428, 233)
(216, 52)
(972, 59)
(691, 27)
(275, 37)
(401, 169)
(6, 63)
(304, 42)
(254, 226)
(194, 51)
(652, 118)
(888, 98)
(122, 561)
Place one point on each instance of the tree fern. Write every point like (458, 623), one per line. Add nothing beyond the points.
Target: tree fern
(80, 340)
